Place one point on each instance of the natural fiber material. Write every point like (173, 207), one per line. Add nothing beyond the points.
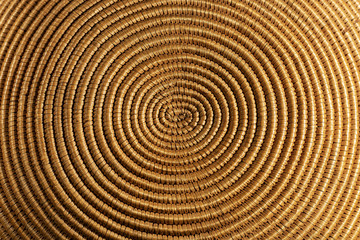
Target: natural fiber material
(179, 119)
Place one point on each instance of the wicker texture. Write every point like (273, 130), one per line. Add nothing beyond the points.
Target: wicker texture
(179, 119)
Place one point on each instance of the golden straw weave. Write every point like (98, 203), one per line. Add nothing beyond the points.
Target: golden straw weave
(179, 119)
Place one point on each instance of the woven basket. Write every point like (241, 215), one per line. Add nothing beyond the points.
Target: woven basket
(179, 119)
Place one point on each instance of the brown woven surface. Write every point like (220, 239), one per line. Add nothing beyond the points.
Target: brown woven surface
(179, 119)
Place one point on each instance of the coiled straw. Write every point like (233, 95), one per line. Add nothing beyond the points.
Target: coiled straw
(179, 119)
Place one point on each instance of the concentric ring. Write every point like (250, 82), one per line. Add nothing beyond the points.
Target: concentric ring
(179, 119)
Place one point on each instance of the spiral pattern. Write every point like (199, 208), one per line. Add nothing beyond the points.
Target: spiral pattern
(179, 119)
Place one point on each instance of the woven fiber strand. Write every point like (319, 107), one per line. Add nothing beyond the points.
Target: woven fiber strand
(179, 119)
